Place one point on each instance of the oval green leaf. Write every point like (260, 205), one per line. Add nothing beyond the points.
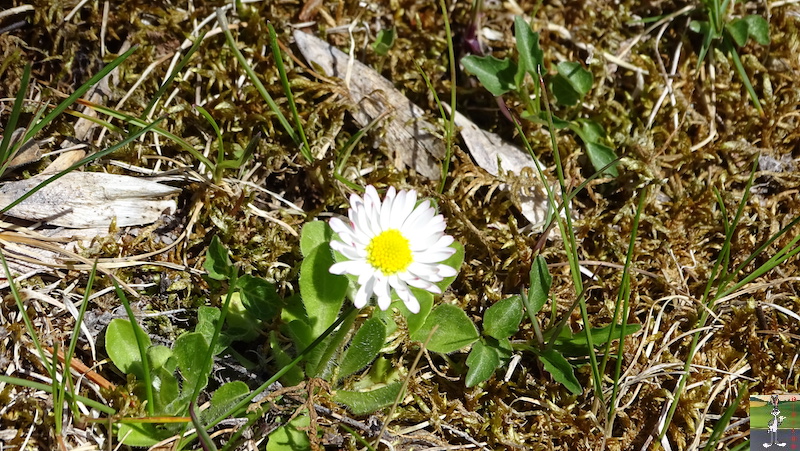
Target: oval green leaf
(365, 346)
(502, 319)
(122, 347)
(541, 280)
(561, 370)
(455, 330)
(362, 403)
(259, 297)
(482, 362)
(496, 75)
(322, 292)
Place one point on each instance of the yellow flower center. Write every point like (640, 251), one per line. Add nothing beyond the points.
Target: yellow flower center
(390, 252)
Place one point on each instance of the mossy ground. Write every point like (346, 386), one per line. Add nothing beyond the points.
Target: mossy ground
(705, 136)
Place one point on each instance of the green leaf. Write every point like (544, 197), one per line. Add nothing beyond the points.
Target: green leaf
(143, 435)
(541, 280)
(291, 437)
(382, 372)
(191, 350)
(313, 234)
(574, 344)
(167, 391)
(322, 292)
(572, 83)
(259, 297)
(295, 375)
(738, 31)
(600, 335)
(502, 347)
(384, 41)
(591, 130)
(455, 330)
(561, 370)
(159, 356)
(542, 118)
(300, 333)
(225, 398)
(758, 28)
(217, 262)
(496, 75)
(207, 319)
(365, 346)
(600, 156)
(122, 347)
(242, 324)
(698, 26)
(482, 362)
(502, 319)
(530, 54)
(362, 403)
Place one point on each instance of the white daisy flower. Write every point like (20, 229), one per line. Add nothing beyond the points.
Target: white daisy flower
(392, 244)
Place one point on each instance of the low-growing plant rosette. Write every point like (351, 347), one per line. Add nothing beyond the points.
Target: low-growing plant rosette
(392, 244)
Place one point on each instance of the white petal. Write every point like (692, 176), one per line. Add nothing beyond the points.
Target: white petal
(434, 256)
(403, 207)
(416, 282)
(339, 226)
(412, 304)
(424, 211)
(363, 223)
(435, 224)
(364, 293)
(427, 243)
(370, 193)
(348, 251)
(421, 270)
(383, 293)
(445, 241)
(356, 201)
(423, 222)
(354, 267)
(405, 294)
(386, 209)
(447, 271)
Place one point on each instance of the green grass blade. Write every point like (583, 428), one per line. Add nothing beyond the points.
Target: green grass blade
(220, 143)
(77, 94)
(450, 125)
(708, 301)
(223, 22)
(49, 389)
(730, 49)
(623, 296)
(723, 421)
(305, 149)
(6, 149)
(73, 343)
(137, 122)
(570, 242)
(205, 440)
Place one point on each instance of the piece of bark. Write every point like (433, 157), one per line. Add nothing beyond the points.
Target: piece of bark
(27, 153)
(493, 154)
(90, 200)
(409, 137)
